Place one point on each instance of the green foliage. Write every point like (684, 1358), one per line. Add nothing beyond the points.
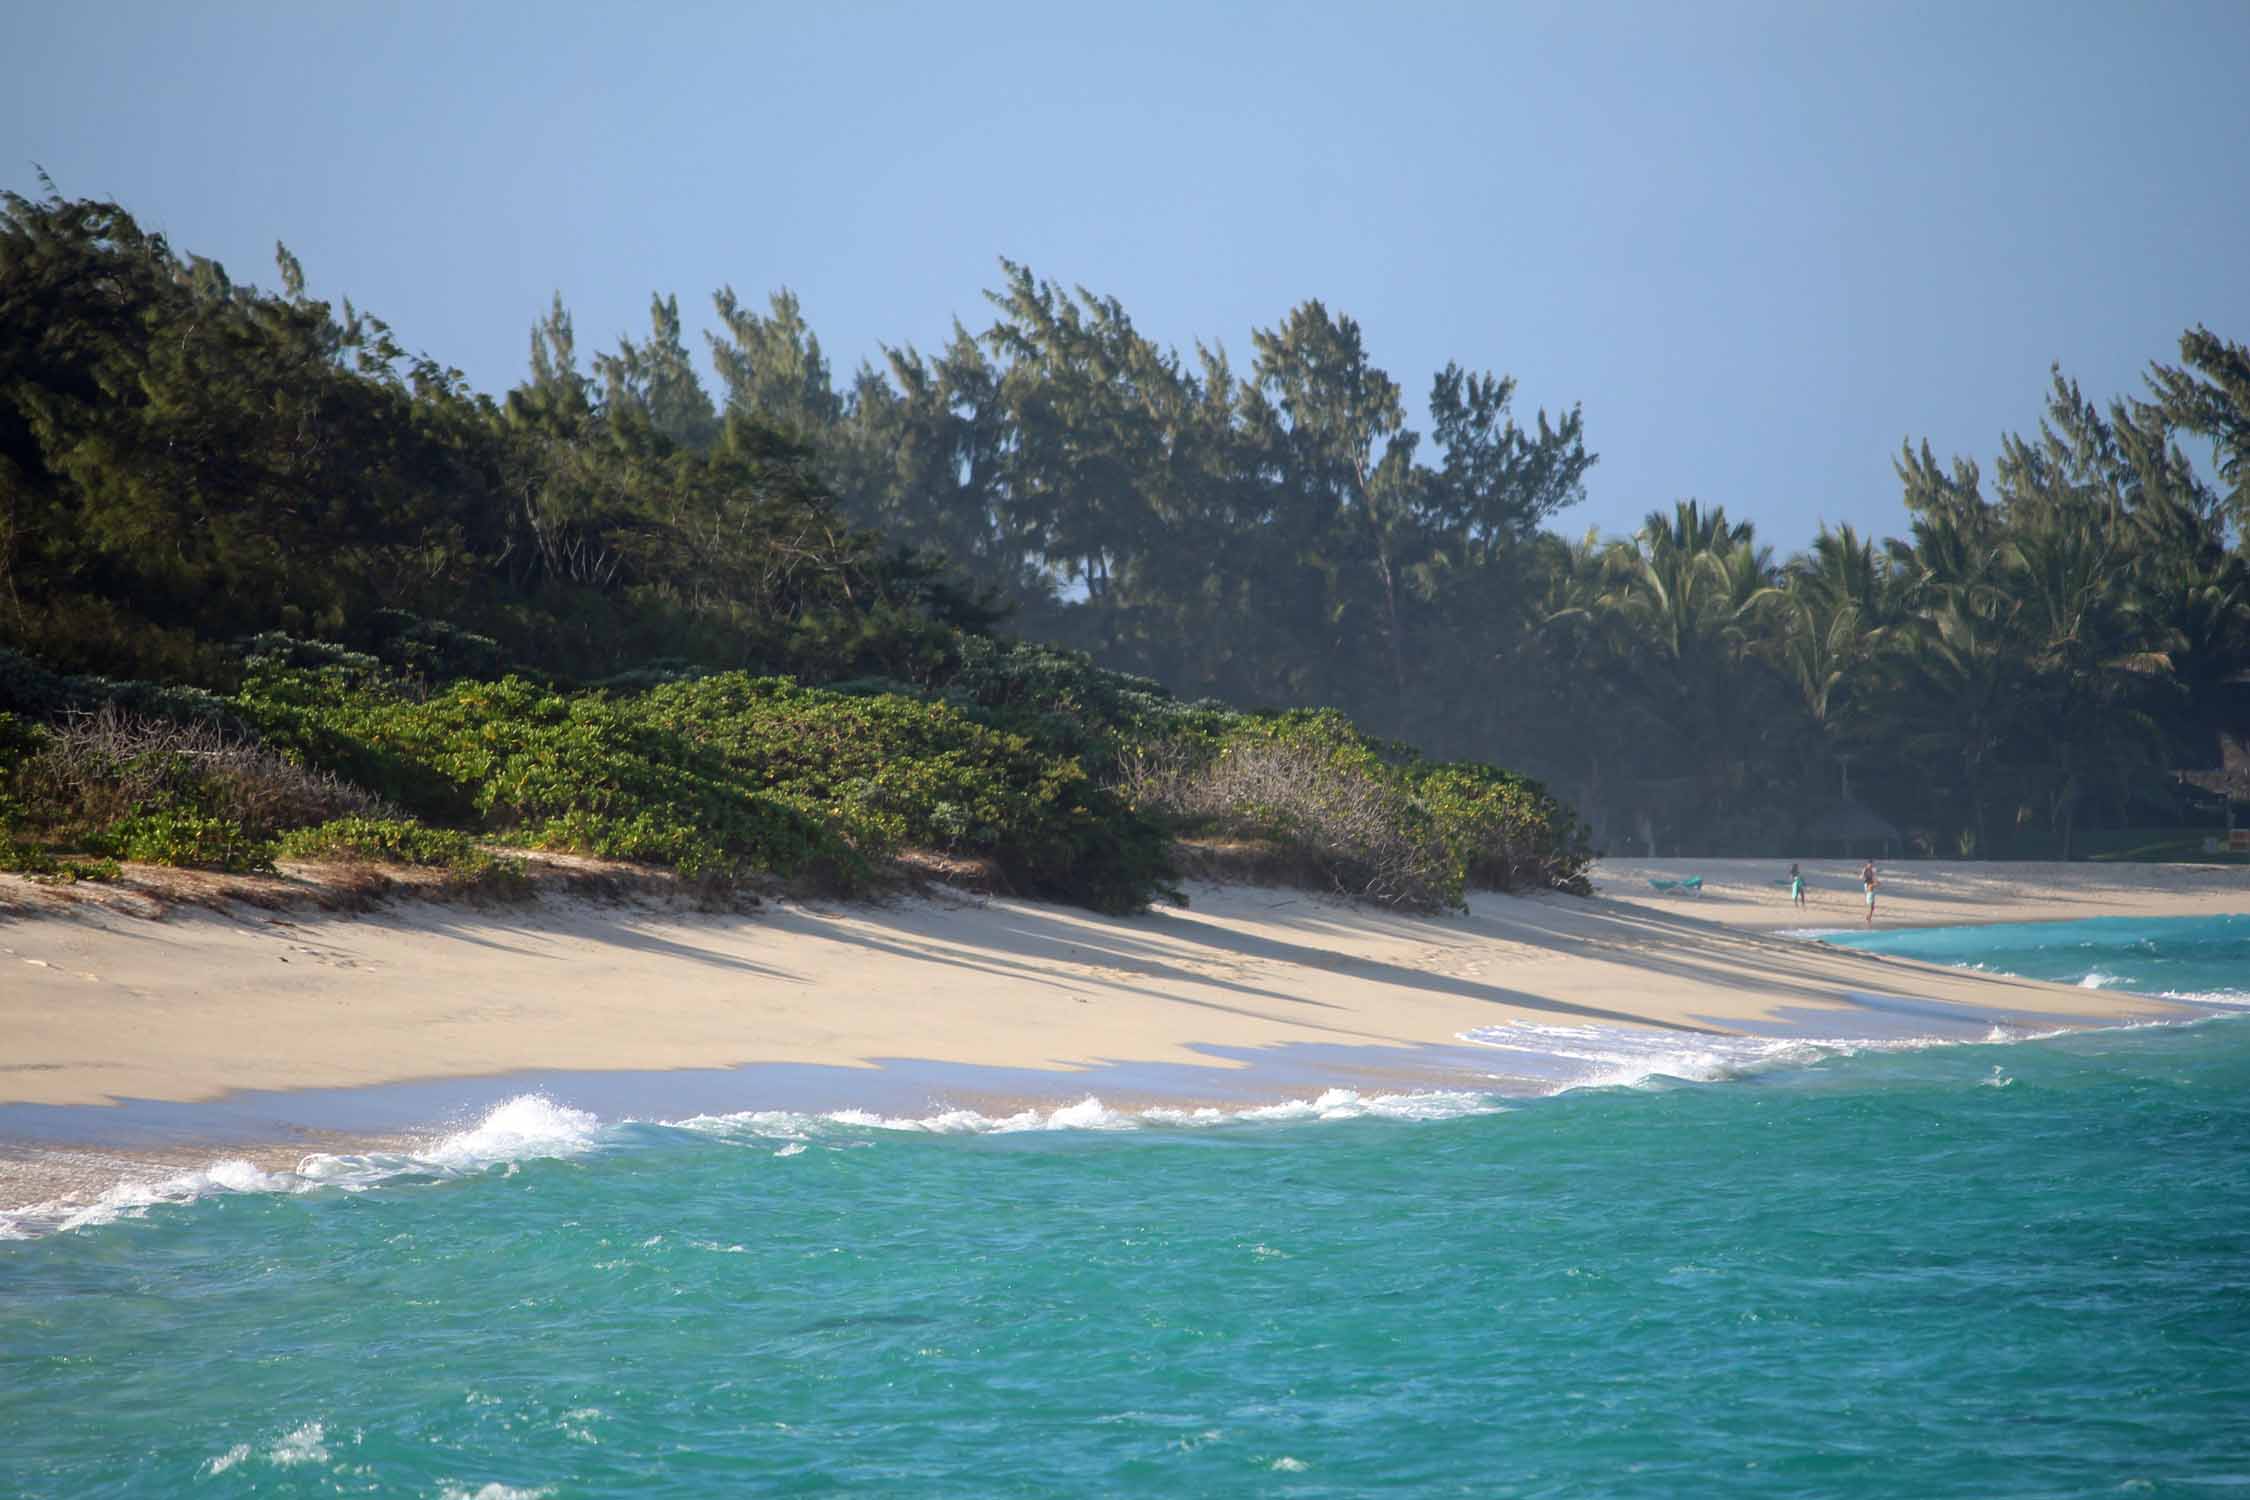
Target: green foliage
(1063, 702)
(192, 461)
(35, 692)
(395, 840)
(722, 776)
(403, 584)
(182, 836)
(1506, 832)
(434, 651)
(895, 773)
(28, 859)
(405, 842)
(2046, 645)
(552, 771)
(1367, 818)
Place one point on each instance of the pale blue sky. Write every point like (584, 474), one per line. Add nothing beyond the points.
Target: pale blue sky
(1760, 243)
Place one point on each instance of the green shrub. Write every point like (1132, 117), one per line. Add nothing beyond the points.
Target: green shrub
(1322, 799)
(1364, 817)
(181, 836)
(72, 870)
(36, 693)
(24, 859)
(895, 772)
(1505, 830)
(27, 859)
(721, 776)
(435, 651)
(396, 840)
(93, 769)
(402, 841)
(1066, 705)
(554, 771)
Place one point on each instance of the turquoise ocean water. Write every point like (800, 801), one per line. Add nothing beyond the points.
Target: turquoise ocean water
(1974, 1269)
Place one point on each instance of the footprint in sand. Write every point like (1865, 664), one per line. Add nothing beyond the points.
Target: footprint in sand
(334, 958)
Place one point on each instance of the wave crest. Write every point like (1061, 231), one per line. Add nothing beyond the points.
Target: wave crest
(519, 1129)
(1587, 1057)
(532, 1126)
(1090, 1113)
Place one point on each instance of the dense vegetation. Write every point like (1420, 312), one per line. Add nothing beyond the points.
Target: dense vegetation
(269, 587)
(185, 463)
(2049, 647)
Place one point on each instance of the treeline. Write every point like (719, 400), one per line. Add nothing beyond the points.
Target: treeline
(185, 462)
(2046, 649)
(271, 587)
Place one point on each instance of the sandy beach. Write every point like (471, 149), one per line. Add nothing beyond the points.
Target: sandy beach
(1247, 993)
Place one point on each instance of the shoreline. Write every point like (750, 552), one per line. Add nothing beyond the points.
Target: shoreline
(136, 1047)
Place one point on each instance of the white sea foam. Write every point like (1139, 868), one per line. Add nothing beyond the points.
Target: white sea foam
(1595, 1056)
(132, 1199)
(527, 1126)
(221, 1462)
(533, 1126)
(303, 1446)
(2230, 999)
(837, 1126)
(307, 1444)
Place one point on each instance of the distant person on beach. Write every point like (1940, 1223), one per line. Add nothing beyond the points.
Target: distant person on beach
(1796, 886)
(1867, 883)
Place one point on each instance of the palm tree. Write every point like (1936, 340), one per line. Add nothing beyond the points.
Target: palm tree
(1840, 606)
(1965, 681)
(1691, 593)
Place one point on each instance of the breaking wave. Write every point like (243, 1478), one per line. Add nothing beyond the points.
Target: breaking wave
(1583, 1057)
(533, 1126)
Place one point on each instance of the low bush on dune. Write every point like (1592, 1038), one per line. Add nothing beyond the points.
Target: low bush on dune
(1369, 820)
(1061, 702)
(896, 772)
(95, 768)
(549, 770)
(182, 836)
(722, 777)
(160, 791)
(28, 859)
(391, 840)
(1505, 830)
(36, 694)
(19, 855)
(1069, 782)
(1341, 823)
(402, 841)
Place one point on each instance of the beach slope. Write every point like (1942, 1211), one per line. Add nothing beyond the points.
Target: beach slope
(97, 1006)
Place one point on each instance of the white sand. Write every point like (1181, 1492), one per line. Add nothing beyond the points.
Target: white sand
(96, 1005)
